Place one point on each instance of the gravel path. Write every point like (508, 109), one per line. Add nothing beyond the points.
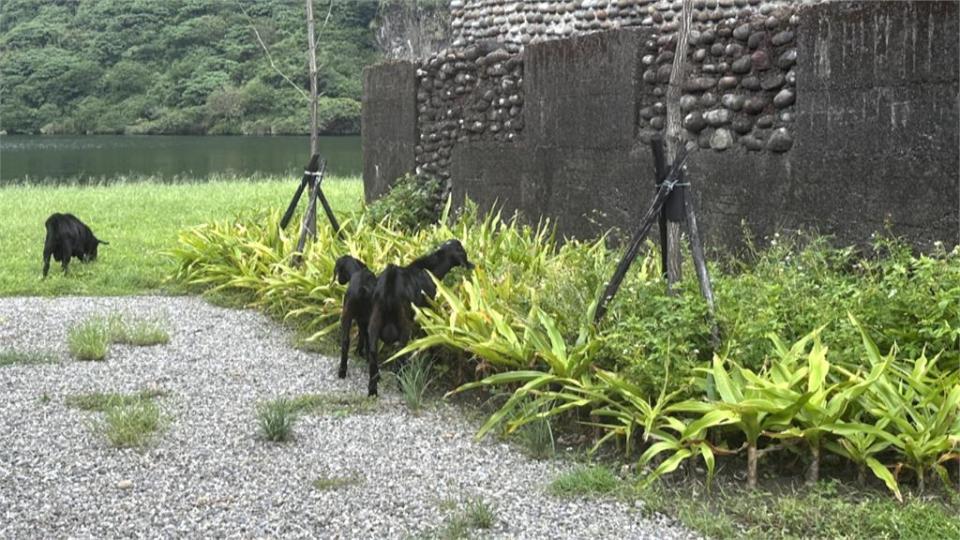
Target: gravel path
(208, 473)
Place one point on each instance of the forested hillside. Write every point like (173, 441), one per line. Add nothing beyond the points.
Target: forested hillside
(178, 66)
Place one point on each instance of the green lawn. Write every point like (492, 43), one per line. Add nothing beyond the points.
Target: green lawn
(140, 220)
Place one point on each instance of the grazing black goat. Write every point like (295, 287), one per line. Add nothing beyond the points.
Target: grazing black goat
(398, 289)
(68, 237)
(356, 305)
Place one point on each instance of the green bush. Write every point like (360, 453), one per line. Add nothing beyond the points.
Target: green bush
(411, 202)
(523, 319)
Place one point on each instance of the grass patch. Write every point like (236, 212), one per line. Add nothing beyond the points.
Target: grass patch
(585, 480)
(100, 402)
(336, 482)
(140, 220)
(827, 511)
(89, 339)
(277, 418)
(25, 358)
(129, 421)
(142, 333)
(131, 425)
(333, 404)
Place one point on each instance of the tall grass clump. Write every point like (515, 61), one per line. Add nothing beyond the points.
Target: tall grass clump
(413, 379)
(129, 420)
(277, 418)
(142, 333)
(131, 425)
(89, 340)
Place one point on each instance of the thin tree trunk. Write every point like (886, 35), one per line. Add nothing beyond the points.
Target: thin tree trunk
(312, 56)
(861, 474)
(311, 221)
(920, 480)
(813, 473)
(752, 465)
(673, 133)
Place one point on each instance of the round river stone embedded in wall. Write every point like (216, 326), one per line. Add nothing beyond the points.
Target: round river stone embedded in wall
(780, 140)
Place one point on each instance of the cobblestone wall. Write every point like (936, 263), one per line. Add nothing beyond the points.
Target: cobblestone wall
(838, 115)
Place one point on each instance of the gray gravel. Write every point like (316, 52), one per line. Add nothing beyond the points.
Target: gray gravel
(209, 474)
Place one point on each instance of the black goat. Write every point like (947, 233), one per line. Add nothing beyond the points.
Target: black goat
(360, 282)
(68, 237)
(398, 289)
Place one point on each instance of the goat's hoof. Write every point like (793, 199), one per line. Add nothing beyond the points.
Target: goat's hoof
(342, 374)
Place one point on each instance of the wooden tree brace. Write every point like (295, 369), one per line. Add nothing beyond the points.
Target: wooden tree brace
(645, 224)
(308, 172)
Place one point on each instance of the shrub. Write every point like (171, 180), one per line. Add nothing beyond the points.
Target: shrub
(411, 203)
(523, 320)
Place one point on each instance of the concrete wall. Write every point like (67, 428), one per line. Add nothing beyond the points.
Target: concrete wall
(388, 123)
(877, 133)
(872, 124)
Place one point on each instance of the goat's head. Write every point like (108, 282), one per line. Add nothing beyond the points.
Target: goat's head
(345, 267)
(457, 255)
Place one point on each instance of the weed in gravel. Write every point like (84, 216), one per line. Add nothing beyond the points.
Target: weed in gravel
(480, 514)
(21, 358)
(338, 405)
(131, 425)
(130, 420)
(336, 482)
(44, 399)
(277, 418)
(536, 438)
(101, 402)
(475, 514)
(88, 340)
(413, 380)
(585, 480)
(142, 333)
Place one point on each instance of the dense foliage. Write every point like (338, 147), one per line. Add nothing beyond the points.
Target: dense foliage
(410, 203)
(178, 66)
(825, 351)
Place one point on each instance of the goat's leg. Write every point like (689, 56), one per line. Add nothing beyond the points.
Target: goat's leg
(406, 330)
(362, 338)
(66, 252)
(47, 252)
(372, 340)
(345, 323)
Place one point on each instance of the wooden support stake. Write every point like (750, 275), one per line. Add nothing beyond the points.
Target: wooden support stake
(307, 176)
(660, 170)
(703, 276)
(326, 205)
(308, 227)
(645, 224)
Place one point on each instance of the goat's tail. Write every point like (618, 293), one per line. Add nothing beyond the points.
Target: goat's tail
(99, 241)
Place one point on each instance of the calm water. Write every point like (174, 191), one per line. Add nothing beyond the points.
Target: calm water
(52, 159)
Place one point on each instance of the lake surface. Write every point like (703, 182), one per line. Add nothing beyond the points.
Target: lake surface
(98, 158)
